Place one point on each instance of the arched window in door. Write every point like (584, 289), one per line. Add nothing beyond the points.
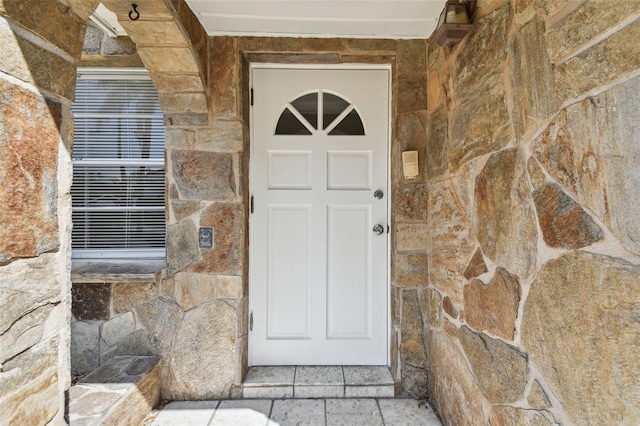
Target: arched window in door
(320, 111)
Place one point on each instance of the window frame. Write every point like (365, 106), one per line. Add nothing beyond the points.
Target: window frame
(145, 253)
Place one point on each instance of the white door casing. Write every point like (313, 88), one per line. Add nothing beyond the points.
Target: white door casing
(318, 272)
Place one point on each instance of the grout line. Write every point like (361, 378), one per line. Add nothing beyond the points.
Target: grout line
(270, 412)
(293, 385)
(344, 383)
(380, 411)
(326, 419)
(215, 410)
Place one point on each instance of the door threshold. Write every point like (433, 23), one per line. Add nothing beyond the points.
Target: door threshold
(333, 381)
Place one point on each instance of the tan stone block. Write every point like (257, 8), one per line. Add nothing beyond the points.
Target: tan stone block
(118, 46)
(433, 90)
(411, 93)
(501, 370)
(209, 371)
(493, 307)
(449, 307)
(452, 238)
(562, 221)
(226, 255)
(505, 223)
(182, 245)
(230, 287)
(452, 386)
(532, 80)
(28, 202)
(411, 270)
(412, 237)
(588, 22)
(600, 65)
(201, 175)
(477, 60)
(536, 174)
(50, 20)
(126, 296)
(364, 44)
(23, 370)
(196, 120)
(476, 266)
(172, 83)
(435, 308)
(160, 319)
(437, 151)
(411, 135)
(150, 10)
(322, 44)
(194, 289)
(411, 203)
(480, 124)
(183, 209)
(271, 44)
(34, 403)
(117, 328)
(223, 77)
(155, 33)
(504, 415)
(537, 397)
(221, 136)
(183, 102)
(593, 303)
(178, 60)
(28, 283)
(24, 332)
(368, 59)
(412, 56)
(412, 345)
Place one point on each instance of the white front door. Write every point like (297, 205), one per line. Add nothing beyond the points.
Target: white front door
(318, 269)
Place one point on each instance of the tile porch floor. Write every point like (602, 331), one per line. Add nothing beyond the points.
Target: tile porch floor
(299, 412)
(304, 395)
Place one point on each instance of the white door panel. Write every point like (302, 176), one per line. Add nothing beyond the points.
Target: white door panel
(318, 274)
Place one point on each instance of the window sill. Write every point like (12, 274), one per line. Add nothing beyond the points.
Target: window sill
(115, 270)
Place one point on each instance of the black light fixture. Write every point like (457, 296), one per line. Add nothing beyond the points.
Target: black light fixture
(454, 22)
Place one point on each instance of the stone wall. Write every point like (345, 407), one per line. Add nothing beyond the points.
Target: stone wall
(37, 80)
(534, 261)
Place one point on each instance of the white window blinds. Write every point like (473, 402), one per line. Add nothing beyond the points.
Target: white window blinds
(118, 163)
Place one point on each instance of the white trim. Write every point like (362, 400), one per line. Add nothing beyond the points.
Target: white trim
(150, 254)
(96, 73)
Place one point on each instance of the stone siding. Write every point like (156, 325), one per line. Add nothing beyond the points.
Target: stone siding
(37, 80)
(533, 252)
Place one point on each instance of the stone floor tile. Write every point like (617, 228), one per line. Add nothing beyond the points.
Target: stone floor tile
(298, 412)
(193, 413)
(243, 412)
(367, 375)
(267, 392)
(376, 391)
(400, 412)
(319, 391)
(108, 371)
(319, 375)
(93, 403)
(353, 412)
(270, 376)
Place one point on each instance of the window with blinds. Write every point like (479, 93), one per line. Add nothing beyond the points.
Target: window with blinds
(118, 166)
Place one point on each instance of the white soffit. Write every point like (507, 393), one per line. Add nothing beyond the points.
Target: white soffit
(401, 19)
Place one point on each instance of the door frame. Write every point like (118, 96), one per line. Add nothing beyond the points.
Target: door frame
(284, 66)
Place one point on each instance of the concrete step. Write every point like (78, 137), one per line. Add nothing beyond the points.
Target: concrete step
(120, 392)
(319, 382)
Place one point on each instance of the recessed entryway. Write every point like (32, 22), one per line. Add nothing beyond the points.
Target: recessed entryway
(319, 216)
